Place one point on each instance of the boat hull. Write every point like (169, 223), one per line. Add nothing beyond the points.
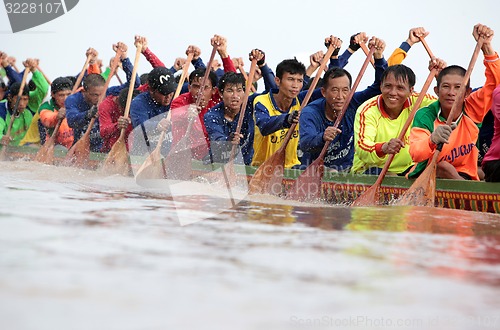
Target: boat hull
(336, 188)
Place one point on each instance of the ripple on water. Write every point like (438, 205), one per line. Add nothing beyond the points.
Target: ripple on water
(76, 241)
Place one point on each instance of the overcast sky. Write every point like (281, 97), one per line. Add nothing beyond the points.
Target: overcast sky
(282, 29)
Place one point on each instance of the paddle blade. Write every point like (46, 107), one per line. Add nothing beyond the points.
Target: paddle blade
(369, 197)
(79, 153)
(3, 153)
(118, 161)
(46, 153)
(268, 179)
(423, 191)
(307, 187)
(178, 160)
(152, 168)
(229, 174)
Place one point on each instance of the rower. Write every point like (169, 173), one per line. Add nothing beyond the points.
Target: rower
(54, 110)
(379, 120)
(22, 118)
(491, 161)
(82, 106)
(458, 158)
(221, 121)
(318, 117)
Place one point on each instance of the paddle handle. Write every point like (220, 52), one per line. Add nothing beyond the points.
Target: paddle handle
(80, 76)
(427, 48)
(242, 71)
(459, 99)
(249, 82)
(205, 77)
(416, 106)
(369, 56)
(457, 104)
(326, 58)
(160, 141)
(200, 92)
(183, 75)
(56, 130)
(118, 77)
(19, 95)
(322, 66)
(132, 82)
(44, 75)
(366, 51)
(14, 112)
(408, 122)
(114, 66)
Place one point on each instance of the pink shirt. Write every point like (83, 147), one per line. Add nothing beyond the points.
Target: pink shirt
(494, 151)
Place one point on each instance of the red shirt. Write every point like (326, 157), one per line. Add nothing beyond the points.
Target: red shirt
(108, 123)
(198, 134)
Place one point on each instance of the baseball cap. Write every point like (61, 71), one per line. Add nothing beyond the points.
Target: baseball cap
(162, 80)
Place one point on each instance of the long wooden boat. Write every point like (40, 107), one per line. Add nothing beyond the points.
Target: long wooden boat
(341, 188)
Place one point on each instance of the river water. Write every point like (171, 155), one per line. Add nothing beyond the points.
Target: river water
(79, 250)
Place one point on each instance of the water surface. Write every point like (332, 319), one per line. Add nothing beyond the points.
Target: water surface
(83, 251)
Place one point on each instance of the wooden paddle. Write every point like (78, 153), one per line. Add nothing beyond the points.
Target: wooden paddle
(118, 77)
(44, 75)
(366, 51)
(427, 48)
(178, 159)
(268, 178)
(423, 191)
(80, 76)
(46, 152)
(78, 154)
(307, 185)
(118, 160)
(228, 168)
(15, 111)
(243, 72)
(152, 167)
(372, 195)
(183, 75)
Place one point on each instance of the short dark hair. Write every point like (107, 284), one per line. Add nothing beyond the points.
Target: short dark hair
(60, 84)
(231, 78)
(72, 79)
(31, 85)
(292, 66)
(15, 87)
(336, 72)
(452, 69)
(400, 72)
(93, 80)
(122, 97)
(200, 73)
(144, 78)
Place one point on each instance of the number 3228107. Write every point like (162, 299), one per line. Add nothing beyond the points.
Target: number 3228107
(32, 8)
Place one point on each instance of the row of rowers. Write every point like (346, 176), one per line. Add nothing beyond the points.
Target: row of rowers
(361, 143)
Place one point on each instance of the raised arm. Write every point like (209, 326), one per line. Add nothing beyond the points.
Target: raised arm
(266, 72)
(400, 53)
(221, 44)
(148, 54)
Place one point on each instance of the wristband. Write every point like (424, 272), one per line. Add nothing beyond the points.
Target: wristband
(352, 43)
